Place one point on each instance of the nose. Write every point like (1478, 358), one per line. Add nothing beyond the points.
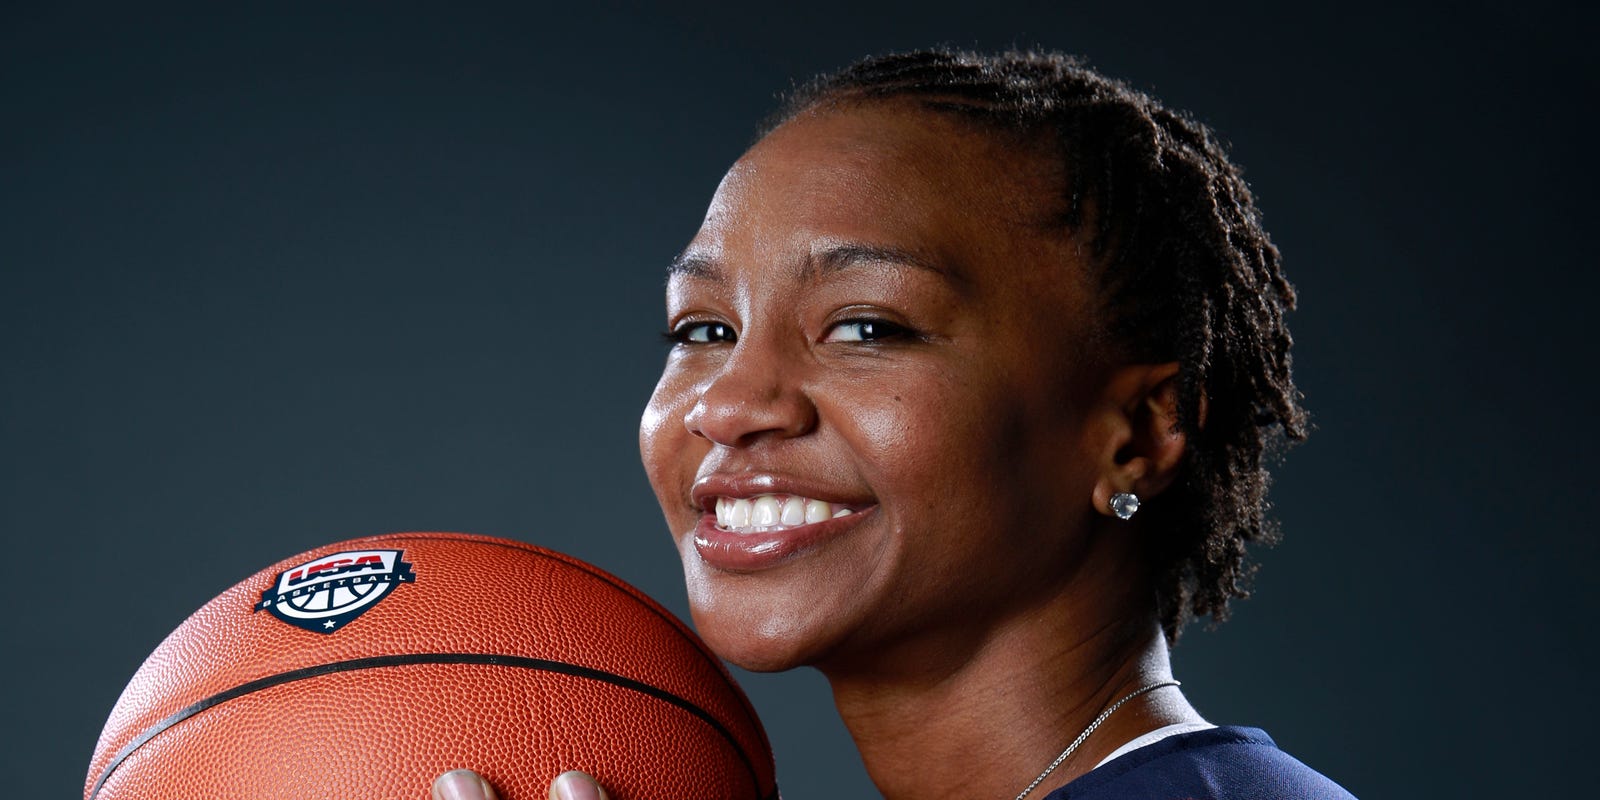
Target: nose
(756, 394)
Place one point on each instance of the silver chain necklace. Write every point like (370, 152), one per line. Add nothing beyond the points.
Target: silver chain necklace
(1086, 731)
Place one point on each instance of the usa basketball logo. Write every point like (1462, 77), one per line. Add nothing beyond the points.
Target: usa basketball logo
(324, 594)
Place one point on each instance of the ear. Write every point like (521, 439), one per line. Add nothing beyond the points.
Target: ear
(1142, 447)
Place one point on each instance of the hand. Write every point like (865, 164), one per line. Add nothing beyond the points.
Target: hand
(464, 784)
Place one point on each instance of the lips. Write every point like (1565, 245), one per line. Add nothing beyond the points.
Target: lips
(753, 522)
(733, 551)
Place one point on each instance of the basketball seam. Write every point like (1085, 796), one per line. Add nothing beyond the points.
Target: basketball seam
(409, 659)
(614, 582)
(611, 580)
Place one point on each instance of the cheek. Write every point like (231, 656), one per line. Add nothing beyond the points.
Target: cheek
(953, 456)
(665, 446)
(925, 429)
(658, 416)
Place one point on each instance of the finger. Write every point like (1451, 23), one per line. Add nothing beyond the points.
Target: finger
(462, 784)
(575, 786)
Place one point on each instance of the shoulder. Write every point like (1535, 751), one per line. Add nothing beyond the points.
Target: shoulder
(1226, 763)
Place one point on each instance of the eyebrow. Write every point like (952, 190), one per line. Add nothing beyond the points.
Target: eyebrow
(853, 254)
(694, 266)
(831, 259)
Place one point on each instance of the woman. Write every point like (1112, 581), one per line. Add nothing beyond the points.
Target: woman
(974, 362)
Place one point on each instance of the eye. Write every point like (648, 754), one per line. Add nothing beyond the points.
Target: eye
(865, 330)
(702, 333)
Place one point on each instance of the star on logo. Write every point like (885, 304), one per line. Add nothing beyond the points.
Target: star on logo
(328, 624)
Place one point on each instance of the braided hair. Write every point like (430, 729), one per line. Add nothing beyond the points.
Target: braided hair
(1186, 270)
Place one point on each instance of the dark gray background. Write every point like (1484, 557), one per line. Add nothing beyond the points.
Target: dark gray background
(281, 277)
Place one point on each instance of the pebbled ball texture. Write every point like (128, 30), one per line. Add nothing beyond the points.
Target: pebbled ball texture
(499, 656)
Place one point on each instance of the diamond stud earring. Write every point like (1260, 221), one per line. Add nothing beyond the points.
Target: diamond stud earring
(1124, 504)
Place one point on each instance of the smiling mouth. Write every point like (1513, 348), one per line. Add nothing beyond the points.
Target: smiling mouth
(768, 513)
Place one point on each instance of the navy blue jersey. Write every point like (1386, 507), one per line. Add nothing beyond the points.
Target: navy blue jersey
(1224, 763)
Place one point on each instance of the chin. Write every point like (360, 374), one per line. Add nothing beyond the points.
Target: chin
(752, 639)
(752, 632)
(758, 658)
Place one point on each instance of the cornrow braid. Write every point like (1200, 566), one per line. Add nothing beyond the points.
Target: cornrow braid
(1187, 271)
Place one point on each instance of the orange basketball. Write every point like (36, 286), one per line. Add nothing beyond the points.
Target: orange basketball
(365, 669)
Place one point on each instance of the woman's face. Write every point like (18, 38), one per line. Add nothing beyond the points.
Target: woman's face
(880, 379)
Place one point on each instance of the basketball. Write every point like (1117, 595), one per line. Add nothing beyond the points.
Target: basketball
(366, 668)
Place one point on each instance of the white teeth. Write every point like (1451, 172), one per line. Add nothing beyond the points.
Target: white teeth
(772, 512)
(764, 513)
(794, 512)
(817, 511)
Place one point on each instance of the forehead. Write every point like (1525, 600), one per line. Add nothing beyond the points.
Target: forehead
(882, 173)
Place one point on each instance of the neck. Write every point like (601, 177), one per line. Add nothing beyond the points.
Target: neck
(987, 726)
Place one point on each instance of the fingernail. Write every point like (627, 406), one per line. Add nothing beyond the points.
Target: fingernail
(461, 784)
(576, 786)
